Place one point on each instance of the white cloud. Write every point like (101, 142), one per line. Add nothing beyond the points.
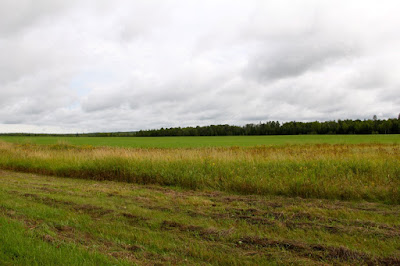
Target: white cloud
(127, 65)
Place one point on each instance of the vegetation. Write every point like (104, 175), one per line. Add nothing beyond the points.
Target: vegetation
(201, 142)
(343, 127)
(53, 221)
(306, 200)
(375, 126)
(364, 171)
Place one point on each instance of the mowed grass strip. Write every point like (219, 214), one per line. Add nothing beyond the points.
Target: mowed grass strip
(351, 172)
(20, 245)
(118, 223)
(209, 141)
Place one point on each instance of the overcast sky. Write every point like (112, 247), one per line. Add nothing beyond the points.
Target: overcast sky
(102, 65)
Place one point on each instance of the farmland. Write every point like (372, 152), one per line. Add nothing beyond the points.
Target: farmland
(263, 200)
(200, 142)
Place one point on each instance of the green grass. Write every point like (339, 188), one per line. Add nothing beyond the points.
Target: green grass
(60, 221)
(20, 245)
(305, 203)
(197, 142)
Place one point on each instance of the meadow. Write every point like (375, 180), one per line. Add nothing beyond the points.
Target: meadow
(211, 141)
(265, 200)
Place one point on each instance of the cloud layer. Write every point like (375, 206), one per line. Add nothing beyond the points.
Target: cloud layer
(70, 66)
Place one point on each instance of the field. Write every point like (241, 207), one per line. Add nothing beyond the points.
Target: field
(199, 142)
(312, 200)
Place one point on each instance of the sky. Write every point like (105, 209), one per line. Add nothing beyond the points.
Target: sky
(99, 66)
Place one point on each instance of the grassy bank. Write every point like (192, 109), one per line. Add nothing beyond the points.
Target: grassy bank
(352, 172)
(46, 220)
(201, 142)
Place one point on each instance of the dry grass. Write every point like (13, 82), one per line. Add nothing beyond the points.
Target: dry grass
(359, 171)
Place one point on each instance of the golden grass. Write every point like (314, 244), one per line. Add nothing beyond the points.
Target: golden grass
(358, 171)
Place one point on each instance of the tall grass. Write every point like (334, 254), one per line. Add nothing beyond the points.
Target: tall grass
(359, 171)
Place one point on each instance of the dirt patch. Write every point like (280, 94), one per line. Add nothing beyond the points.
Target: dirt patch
(290, 216)
(256, 216)
(257, 220)
(48, 238)
(370, 224)
(131, 216)
(134, 219)
(363, 207)
(205, 233)
(171, 224)
(64, 228)
(158, 208)
(340, 229)
(251, 200)
(50, 189)
(93, 211)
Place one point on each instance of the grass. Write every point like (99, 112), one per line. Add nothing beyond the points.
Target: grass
(21, 246)
(302, 203)
(50, 220)
(199, 142)
(351, 172)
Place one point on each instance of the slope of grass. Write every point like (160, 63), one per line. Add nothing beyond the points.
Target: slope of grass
(198, 142)
(48, 220)
(364, 171)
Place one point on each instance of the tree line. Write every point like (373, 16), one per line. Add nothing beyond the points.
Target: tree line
(348, 126)
(371, 126)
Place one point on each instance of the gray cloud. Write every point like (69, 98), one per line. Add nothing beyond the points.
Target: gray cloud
(108, 66)
(16, 16)
(285, 60)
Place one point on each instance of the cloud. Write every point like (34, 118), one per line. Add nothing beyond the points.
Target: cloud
(118, 66)
(284, 60)
(16, 16)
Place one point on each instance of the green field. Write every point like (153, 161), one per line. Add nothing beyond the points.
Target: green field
(302, 200)
(197, 142)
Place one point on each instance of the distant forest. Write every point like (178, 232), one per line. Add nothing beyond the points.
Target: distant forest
(374, 126)
(370, 126)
